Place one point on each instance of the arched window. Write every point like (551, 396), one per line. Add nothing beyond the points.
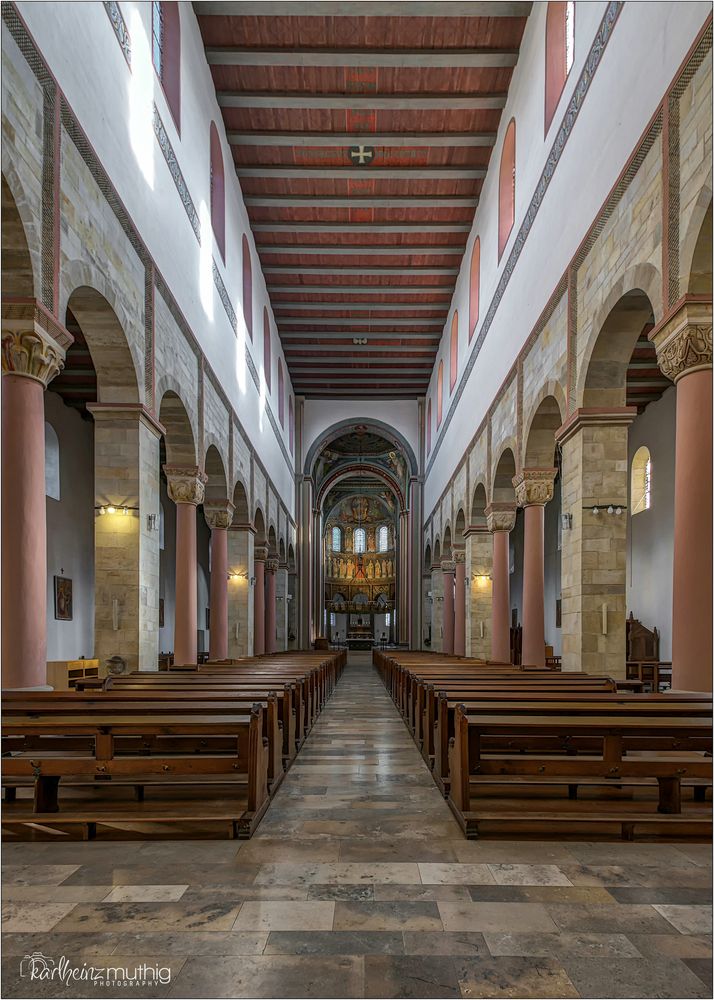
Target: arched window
(359, 540)
(641, 481)
(474, 287)
(336, 539)
(291, 425)
(281, 394)
(247, 288)
(52, 463)
(439, 394)
(218, 192)
(428, 427)
(507, 187)
(383, 538)
(267, 353)
(166, 54)
(559, 53)
(454, 352)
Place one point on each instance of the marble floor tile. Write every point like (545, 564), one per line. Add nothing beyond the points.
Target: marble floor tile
(515, 977)
(218, 943)
(457, 874)
(528, 875)
(558, 945)
(634, 978)
(270, 976)
(145, 893)
(687, 919)
(644, 894)
(702, 967)
(425, 893)
(33, 917)
(40, 874)
(179, 916)
(444, 943)
(674, 944)
(334, 943)
(387, 916)
(495, 917)
(55, 893)
(625, 918)
(313, 915)
(410, 976)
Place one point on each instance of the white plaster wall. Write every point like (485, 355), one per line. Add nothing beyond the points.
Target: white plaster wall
(649, 42)
(70, 532)
(113, 105)
(651, 532)
(320, 414)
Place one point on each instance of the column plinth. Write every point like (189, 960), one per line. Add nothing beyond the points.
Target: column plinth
(186, 487)
(500, 520)
(218, 514)
(30, 360)
(684, 353)
(534, 489)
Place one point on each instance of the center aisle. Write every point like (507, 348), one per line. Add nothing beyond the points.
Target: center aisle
(359, 883)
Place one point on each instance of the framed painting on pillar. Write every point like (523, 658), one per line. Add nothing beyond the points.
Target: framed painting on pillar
(63, 599)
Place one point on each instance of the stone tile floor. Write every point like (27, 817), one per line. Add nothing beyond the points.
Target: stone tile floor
(360, 884)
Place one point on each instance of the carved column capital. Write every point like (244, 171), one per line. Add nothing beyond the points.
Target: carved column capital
(27, 351)
(186, 484)
(260, 553)
(534, 487)
(218, 513)
(684, 341)
(448, 566)
(271, 565)
(500, 516)
(460, 556)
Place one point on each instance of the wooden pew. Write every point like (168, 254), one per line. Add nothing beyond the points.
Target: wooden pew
(689, 739)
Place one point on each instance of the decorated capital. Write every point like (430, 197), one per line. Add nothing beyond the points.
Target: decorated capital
(448, 566)
(534, 487)
(460, 556)
(500, 516)
(684, 342)
(28, 352)
(260, 553)
(218, 513)
(271, 565)
(185, 484)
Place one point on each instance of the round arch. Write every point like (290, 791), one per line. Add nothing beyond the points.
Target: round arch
(502, 489)
(18, 274)
(339, 428)
(215, 469)
(539, 438)
(241, 515)
(347, 471)
(179, 437)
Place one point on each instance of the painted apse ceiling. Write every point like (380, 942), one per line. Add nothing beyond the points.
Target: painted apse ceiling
(361, 140)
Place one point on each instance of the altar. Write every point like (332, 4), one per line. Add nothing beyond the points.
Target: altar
(360, 634)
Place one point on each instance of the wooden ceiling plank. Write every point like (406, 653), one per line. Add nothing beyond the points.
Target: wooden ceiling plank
(357, 102)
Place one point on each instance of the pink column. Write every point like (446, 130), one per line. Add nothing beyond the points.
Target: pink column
(460, 604)
(218, 514)
(271, 567)
(29, 362)
(259, 558)
(500, 519)
(684, 353)
(448, 568)
(534, 488)
(186, 489)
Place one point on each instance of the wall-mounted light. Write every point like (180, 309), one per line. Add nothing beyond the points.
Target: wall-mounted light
(481, 577)
(152, 522)
(566, 521)
(110, 508)
(615, 509)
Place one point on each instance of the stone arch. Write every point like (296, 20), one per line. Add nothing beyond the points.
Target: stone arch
(427, 558)
(261, 536)
(117, 376)
(272, 541)
(609, 347)
(215, 469)
(697, 248)
(292, 564)
(539, 446)
(446, 549)
(241, 513)
(479, 502)
(437, 552)
(18, 273)
(281, 550)
(337, 429)
(459, 529)
(179, 437)
(502, 490)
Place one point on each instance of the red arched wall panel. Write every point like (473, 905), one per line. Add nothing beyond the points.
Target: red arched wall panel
(474, 287)
(507, 187)
(218, 192)
(247, 287)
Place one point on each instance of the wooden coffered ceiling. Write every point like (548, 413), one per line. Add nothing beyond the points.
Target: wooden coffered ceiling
(361, 134)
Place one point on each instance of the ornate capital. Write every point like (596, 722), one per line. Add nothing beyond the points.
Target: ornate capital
(186, 485)
(31, 353)
(448, 566)
(260, 553)
(218, 513)
(500, 516)
(271, 565)
(460, 556)
(534, 487)
(684, 341)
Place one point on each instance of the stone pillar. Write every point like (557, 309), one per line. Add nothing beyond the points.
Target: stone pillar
(448, 570)
(460, 603)
(416, 602)
(684, 353)
(303, 595)
(31, 357)
(186, 487)
(437, 609)
(534, 488)
(594, 548)
(218, 514)
(126, 548)
(500, 519)
(402, 636)
(240, 591)
(479, 567)
(281, 607)
(271, 568)
(260, 554)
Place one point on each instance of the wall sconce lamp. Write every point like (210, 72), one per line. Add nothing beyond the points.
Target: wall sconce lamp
(566, 521)
(598, 509)
(110, 508)
(237, 576)
(481, 577)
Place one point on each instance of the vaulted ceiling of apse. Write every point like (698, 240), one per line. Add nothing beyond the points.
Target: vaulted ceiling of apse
(361, 134)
